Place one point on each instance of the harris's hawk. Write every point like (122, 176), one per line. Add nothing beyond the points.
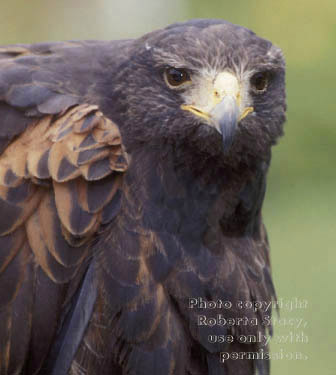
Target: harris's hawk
(132, 177)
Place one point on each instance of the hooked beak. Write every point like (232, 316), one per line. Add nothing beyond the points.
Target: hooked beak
(223, 110)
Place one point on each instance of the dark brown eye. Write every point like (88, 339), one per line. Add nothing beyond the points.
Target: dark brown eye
(176, 77)
(259, 81)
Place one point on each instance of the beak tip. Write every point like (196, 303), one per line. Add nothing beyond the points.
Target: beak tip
(227, 141)
(225, 119)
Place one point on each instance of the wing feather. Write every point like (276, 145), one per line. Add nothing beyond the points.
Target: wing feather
(84, 182)
(59, 175)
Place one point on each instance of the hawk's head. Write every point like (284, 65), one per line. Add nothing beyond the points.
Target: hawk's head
(208, 82)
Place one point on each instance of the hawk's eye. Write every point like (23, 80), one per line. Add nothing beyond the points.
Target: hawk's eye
(176, 77)
(259, 81)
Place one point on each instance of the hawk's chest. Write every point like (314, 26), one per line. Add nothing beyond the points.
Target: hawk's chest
(167, 245)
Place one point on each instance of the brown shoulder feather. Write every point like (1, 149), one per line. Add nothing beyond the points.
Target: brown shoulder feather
(58, 179)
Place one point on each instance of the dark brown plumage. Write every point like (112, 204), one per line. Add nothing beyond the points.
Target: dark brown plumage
(122, 196)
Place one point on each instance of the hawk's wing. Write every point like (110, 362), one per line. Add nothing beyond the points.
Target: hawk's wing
(61, 168)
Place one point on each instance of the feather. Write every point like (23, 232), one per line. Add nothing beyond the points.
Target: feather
(60, 167)
(5, 329)
(15, 215)
(89, 122)
(76, 220)
(89, 156)
(57, 103)
(96, 170)
(75, 324)
(14, 75)
(12, 121)
(12, 276)
(18, 194)
(7, 176)
(111, 210)
(21, 323)
(57, 272)
(53, 234)
(87, 142)
(44, 319)
(28, 95)
(99, 193)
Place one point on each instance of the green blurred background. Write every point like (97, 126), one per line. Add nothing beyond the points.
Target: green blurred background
(300, 204)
